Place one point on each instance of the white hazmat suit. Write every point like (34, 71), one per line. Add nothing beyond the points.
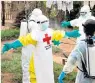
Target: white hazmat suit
(85, 14)
(27, 50)
(74, 59)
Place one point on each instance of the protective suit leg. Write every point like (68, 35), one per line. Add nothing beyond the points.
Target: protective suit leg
(26, 54)
(32, 70)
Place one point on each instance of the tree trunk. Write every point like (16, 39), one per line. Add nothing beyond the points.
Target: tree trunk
(3, 13)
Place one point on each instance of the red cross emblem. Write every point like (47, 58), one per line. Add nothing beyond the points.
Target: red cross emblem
(47, 39)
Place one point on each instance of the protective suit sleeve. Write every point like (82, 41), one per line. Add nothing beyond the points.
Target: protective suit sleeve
(72, 60)
(26, 40)
(58, 35)
(74, 22)
(69, 66)
(21, 41)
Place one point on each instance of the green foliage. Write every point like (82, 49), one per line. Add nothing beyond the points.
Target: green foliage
(18, 50)
(44, 4)
(53, 11)
(75, 28)
(57, 71)
(9, 34)
(56, 49)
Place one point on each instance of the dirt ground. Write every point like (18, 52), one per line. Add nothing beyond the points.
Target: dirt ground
(67, 46)
(6, 77)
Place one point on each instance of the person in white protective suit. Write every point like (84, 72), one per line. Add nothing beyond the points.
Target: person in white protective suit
(83, 56)
(41, 61)
(27, 27)
(85, 14)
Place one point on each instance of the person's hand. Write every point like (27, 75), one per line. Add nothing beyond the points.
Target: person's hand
(6, 47)
(74, 33)
(65, 24)
(57, 43)
(61, 77)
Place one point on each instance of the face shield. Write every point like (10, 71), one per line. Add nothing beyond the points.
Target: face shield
(85, 12)
(32, 23)
(43, 22)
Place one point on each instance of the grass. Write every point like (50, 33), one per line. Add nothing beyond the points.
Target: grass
(14, 66)
(9, 34)
(70, 78)
(56, 49)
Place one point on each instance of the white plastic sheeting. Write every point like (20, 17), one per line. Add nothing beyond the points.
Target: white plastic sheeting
(49, 3)
(61, 5)
(92, 3)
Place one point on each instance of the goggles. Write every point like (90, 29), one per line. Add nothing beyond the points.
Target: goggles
(42, 22)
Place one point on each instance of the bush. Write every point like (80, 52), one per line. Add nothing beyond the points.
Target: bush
(9, 34)
(20, 16)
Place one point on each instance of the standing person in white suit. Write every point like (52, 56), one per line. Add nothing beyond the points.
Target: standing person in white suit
(41, 61)
(27, 27)
(85, 14)
(82, 56)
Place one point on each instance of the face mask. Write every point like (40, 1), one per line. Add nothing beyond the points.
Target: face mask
(44, 26)
(83, 14)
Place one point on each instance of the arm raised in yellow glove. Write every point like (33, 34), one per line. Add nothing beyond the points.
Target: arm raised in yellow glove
(58, 35)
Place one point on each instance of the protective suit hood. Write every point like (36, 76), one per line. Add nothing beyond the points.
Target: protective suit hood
(36, 12)
(85, 11)
(32, 18)
(43, 22)
(85, 8)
